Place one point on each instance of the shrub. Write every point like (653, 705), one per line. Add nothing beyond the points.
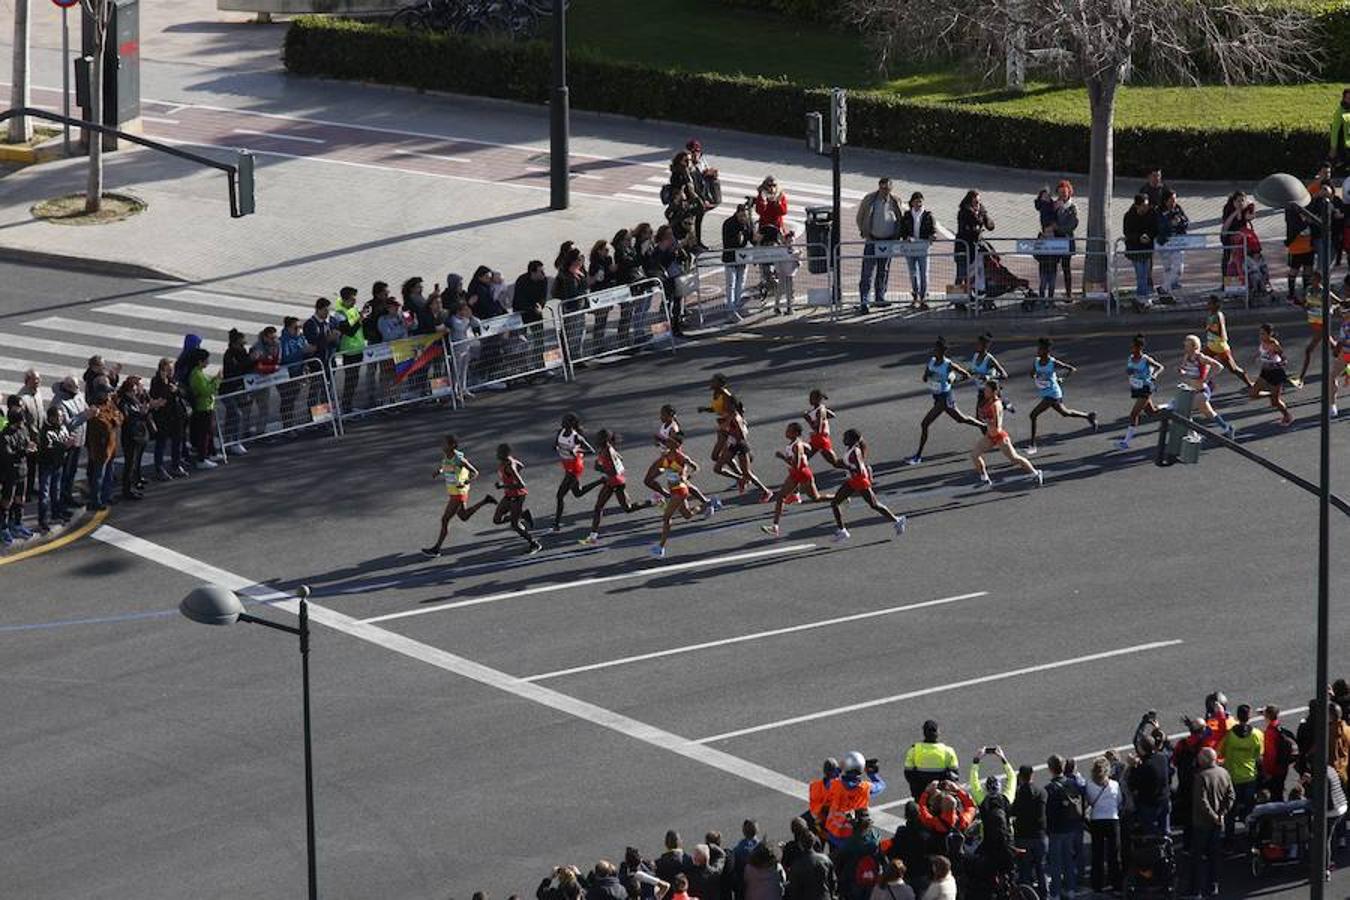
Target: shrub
(521, 71)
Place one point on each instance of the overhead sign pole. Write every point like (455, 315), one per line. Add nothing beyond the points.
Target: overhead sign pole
(65, 6)
(838, 137)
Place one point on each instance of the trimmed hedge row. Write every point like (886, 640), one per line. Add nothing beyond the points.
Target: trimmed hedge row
(344, 49)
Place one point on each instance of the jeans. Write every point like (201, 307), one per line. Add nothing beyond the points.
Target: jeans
(170, 436)
(1174, 264)
(49, 493)
(132, 454)
(100, 476)
(202, 427)
(1105, 853)
(1143, 273)
(68, 476)
(1048, 267)
(918, 276)
(1244, 798)
(735, 285)
(876, 274)
(1031, 865)
(1062, 862)
(1206, 849)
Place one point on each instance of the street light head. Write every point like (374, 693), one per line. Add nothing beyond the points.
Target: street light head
(304, 592)
(211, 604)
(1281, 189)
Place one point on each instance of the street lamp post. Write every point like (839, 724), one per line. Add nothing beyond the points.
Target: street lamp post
(215, 605)
(1283, 191)
(559, 126)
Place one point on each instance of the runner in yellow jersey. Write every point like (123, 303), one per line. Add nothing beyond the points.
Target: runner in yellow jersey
(456, 471)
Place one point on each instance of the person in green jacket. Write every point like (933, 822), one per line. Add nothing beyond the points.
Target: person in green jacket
(1241, 750)
(201, 426)
(1340, 134)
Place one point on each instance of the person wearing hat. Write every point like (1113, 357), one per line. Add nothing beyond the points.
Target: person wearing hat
(818, 791)
(852, 791)
(929, 760)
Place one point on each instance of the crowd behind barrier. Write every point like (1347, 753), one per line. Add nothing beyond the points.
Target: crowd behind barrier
(353, 358)
(1162, 816)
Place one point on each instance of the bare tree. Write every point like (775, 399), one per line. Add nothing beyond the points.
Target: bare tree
(99, 11)
(19, 129)
(1104, 43)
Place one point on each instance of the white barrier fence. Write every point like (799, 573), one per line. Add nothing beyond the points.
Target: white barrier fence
(393, 374)
(617, 320)
(275, 404)
(781, 277)
(505, 349)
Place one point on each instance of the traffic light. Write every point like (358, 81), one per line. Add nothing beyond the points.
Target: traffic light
(815, 137)
(244, 204)
(838, 117)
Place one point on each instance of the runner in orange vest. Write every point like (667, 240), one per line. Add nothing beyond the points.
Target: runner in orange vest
(853, 790)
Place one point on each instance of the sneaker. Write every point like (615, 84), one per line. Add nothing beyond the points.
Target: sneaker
(771, 530)
(791, 499)
(767, 497)
(20, 531)
(1092, 420)
(863, 309)
(237, 448)
(431, 552)
(985, 482)
(534, 548)
(1286, 420)
(841, 535)
(1123, 444)
(658, 498)
(900, 524)
(657, 551)
(1230, 432)
(913, 460)
(1040, 477)
(207, 464)
(715, 502)
(1008, 408)
(1334, 411)
(1031, 450)
(590, 540)
(883, 303)
(557, 528)
(708, 510)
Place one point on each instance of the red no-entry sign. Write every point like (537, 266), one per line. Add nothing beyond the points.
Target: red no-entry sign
(66, 4)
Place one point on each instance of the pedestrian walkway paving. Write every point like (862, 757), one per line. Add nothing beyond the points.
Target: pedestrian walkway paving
(136, 333)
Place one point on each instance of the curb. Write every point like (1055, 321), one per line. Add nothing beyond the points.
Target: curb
(18, 155)
(85, 264)
(58, 537)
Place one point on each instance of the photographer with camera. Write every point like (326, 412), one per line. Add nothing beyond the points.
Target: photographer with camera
(737, 233)
(859, 780)
(978, 777)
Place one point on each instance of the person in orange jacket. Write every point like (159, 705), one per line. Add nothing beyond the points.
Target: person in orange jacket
(945, 808)
(853, 790)
(818, 792)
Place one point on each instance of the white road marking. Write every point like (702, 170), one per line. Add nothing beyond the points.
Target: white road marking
(161, 314)
(439, 156)
(118, 333)
(466, 668)
(634, 198)
(651, 572)
(279, 137)
(81, 352)
(939, 689)
(159, 121)
(792, 629)
(228, 303)
(46, 370)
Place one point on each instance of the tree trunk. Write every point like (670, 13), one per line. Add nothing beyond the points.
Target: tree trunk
(1101, 174)
(93, 195)
(19, 128)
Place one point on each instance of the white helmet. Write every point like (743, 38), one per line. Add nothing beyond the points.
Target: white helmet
(853, 761)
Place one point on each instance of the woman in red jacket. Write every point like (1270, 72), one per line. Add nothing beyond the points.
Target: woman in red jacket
(771, 204)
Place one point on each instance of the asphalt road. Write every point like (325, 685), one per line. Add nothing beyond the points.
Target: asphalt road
(156, 759)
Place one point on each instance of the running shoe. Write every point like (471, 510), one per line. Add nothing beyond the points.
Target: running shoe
(1008, 408)
(20, 531)
(658, 498)
(1334, 411)
(590, 540)
(534, 548)
(557, 528)
(1230, 432)
(1286, 420)
(767, 497)
(207, 464)
(841, 535)
(1092, 420)
(914, 460)
(792, 498)
(431, 552)
(772, 530)
(1040, 477)
(900, 524)
(237, 448)
(1296, 383)
(985, 481)
(657, 551)
(1032, 450)
(1123, 444)
(715, 502)
(708, 510)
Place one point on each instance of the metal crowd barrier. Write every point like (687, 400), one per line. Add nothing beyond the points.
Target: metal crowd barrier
(782, 277)
(507, 349)
(376, 381)
(1184, 272)
(616, 320)
(1027, 276)
(269, 405)
(913, 270)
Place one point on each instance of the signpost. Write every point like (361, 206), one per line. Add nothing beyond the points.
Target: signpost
(64, 6)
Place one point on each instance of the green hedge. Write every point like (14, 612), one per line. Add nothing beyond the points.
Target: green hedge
(520, 71)
(822, 11)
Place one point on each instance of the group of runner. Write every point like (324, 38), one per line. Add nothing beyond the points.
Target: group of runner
(670, 476)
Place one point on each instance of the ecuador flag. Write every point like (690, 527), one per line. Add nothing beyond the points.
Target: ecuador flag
(414, 354)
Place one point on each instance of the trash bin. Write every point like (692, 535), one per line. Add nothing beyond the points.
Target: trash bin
(820, 238)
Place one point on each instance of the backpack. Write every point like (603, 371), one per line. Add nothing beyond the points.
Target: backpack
(667, 194)
(866, 871)
(1060, 804)
(1286, 751)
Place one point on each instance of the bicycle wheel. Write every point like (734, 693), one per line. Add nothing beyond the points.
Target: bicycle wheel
(409, 18)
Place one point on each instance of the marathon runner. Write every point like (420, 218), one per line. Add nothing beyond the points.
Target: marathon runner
(1045, 371)
(457, 472)
(996, 438)
(571, 446)
(1143, 371)
(939, 373)
(609, 464)
(799, 476)
(512, 506)
(859, 482)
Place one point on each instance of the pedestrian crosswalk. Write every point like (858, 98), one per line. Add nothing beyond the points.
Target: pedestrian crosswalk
(135, 332)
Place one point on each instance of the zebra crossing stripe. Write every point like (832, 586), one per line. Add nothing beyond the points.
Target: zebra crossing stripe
(80, 352)
(121, 333)
(196, 320)
(224, 303)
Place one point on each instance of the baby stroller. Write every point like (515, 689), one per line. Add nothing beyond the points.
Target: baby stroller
(1280, 837)
(1152, 870)
(998, 279)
